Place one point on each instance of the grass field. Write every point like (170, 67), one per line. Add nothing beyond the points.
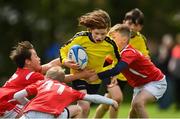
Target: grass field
(153, 111)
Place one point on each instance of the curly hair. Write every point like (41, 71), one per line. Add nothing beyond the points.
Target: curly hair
(97, 19)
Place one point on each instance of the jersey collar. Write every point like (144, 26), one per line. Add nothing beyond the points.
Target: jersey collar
(90, 37)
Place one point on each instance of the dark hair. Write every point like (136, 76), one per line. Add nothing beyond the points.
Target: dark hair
(136, 16)
(97, 19)
(21, 52)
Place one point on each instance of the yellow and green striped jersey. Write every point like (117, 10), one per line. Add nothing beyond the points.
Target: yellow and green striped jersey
(96, 51)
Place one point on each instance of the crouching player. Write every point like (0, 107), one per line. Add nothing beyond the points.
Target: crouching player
(148, 81)
(53, 98)
(28, 71)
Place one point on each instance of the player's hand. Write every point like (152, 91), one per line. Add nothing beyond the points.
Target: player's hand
(87, 73)
(71, 64)
(93, 78)
(19, 114)
(115, 105)
(113, 82)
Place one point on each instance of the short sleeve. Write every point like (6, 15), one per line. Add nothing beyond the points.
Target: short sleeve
(79, 95)
(128, 56)
(34, 77)
(32, 89)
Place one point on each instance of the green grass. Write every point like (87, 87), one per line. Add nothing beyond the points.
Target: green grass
(152, 109)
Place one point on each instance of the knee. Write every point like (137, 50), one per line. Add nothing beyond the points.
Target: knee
(118, 98)
(85, 106)
(79, 109)
(137, 105)
(104, 107)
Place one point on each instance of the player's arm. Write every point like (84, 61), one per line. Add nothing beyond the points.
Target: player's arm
(107, 74)
(63, 54)
(114, 71)
(84, 74)
(21, 97)
(101, 99)
(55, 62)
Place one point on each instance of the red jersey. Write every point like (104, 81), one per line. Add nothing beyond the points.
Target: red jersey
(51, 96)
(140, 69)
(18, 81)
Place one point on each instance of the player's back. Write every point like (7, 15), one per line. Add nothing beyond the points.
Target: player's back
(18, 81)
(51, 96)
(21, 78)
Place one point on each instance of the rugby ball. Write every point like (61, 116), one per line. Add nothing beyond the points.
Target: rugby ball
(78, 54)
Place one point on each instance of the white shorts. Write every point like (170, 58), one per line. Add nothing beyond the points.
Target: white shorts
(36, 114)
(156, 88)
(13, 113)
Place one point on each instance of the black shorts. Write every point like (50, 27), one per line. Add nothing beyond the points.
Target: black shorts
(121, 84)
(83, 85)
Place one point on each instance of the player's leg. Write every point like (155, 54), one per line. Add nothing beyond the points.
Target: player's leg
(116, 94)
(72, 111)
(148, 93)
(85, 105)
(102, 109)
(75, 111)
(83, 86)
(138, 104)
(132, 113)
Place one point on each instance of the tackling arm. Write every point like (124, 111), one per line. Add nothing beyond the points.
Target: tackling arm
(86, 73)
(55, 62)
(21, 97)
(112, 72)
(101, 99)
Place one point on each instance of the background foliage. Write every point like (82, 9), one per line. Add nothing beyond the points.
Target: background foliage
(44, 22)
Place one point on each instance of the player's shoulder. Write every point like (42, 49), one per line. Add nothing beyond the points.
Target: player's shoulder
(79, 34)
(133, 34)
(26, 73)
(109, 40)
(140, 35)
(34, 75)
(129, 49)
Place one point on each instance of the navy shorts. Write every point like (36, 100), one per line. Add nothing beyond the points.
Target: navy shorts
(83, 85)
(121, 84)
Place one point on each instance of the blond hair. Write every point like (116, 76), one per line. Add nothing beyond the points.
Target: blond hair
(56, 73)
(121, 28)
(98, 19)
